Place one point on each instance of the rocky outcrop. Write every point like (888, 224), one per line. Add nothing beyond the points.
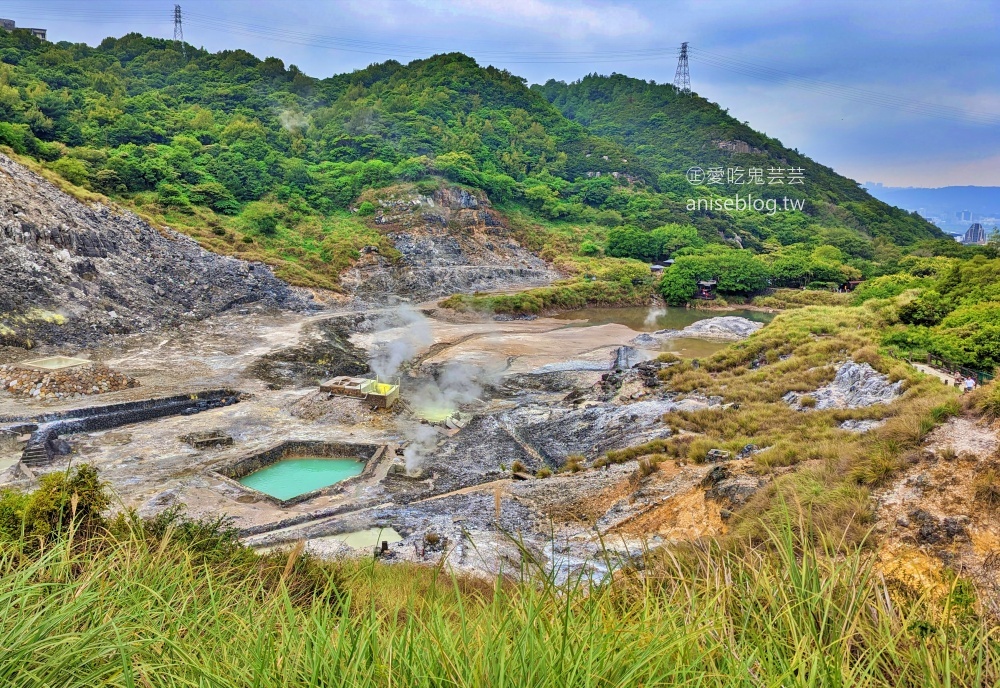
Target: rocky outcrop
(856, 385)
(449, 241)
(70, 272)
(727, 328)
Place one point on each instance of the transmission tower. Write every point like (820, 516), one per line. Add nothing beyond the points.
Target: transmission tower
(179, 29)
(682, 77)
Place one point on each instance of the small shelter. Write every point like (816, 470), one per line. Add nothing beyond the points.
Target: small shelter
(706, 289)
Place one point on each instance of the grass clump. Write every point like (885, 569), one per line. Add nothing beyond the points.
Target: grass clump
(800, 298)
(591, 282)
(986, 400)
(987, 488)
(156, 604)
(573, 464)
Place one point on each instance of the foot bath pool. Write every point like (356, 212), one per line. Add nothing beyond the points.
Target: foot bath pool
(290, 478)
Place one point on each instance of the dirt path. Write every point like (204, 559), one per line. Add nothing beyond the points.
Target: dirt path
(942, 376)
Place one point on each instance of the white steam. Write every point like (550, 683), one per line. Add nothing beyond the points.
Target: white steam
(456, 384)
(405, 333)
(411, 332)
(436, 399)
(293, 120)
(654, 315)
(422, 441)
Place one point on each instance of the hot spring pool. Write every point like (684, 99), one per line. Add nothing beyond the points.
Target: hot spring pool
(291, 477)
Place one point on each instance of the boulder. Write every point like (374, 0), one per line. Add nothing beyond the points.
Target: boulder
(727, 328)
(855, 385)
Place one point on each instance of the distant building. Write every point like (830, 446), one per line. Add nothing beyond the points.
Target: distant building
(9, 25)
(975, 235)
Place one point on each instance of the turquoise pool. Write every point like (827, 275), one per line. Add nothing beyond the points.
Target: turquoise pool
(291, 477)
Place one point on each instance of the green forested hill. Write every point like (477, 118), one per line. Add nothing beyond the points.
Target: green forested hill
(672, 132)
(256, 159)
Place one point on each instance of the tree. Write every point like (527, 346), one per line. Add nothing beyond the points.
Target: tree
(677, 286)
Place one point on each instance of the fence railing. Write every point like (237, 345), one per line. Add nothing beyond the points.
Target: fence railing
(943, 364)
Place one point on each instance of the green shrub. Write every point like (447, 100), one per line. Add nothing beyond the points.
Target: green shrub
(261, 217)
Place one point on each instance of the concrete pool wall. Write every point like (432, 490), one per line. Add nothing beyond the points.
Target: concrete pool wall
(368, 454)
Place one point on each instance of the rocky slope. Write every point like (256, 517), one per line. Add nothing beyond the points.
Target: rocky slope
(71, 273)
(856, 385)
(450, 241)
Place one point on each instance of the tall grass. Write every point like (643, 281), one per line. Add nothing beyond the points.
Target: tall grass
(125, 610)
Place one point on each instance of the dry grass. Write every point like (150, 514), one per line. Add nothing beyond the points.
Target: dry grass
(799, 351)
(987, 488)
(800, 298)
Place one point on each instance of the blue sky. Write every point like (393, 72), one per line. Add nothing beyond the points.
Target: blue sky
(897, 91)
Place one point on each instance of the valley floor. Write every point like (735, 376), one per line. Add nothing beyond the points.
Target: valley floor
(525, 368)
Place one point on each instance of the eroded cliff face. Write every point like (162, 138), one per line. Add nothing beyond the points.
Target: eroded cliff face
(451, 240)
(70, 272)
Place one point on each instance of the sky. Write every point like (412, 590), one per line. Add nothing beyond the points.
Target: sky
(901, 92)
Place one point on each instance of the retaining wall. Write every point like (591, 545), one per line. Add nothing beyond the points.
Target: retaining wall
(40, 447)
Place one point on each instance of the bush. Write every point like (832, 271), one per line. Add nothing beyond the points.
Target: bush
(64, 500)
(366, 209)
(72, 170)
(261, 217)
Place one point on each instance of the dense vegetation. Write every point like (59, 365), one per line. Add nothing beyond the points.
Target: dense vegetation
(124, 602)
(944, 306)
(259, 160)
(672, 132)
(262, 161)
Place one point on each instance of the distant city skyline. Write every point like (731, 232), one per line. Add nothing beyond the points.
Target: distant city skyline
(904, 93)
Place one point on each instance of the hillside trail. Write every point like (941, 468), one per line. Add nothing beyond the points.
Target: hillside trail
(944, 377)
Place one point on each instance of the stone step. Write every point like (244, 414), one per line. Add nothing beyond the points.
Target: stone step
(34, 455)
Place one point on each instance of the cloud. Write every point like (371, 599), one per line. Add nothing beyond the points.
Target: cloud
(567, 19)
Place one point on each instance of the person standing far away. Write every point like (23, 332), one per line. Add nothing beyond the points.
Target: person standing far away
(970, 384)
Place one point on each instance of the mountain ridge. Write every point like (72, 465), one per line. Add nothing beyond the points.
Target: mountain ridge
(259, 161)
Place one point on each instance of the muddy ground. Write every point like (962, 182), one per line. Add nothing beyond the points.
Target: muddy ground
(539, 399)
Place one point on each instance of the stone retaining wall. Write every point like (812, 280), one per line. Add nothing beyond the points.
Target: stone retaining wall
(53, 425)
(59, 384)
